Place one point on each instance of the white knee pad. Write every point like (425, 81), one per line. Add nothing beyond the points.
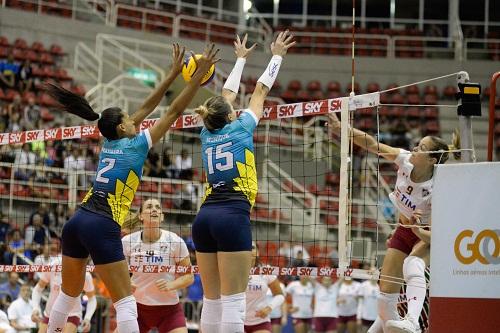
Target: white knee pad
(413, 267)
(233, 308)
(126, 309)
(388, 306)
(211, 311)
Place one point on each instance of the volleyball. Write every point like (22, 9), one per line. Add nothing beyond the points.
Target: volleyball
(190, 67)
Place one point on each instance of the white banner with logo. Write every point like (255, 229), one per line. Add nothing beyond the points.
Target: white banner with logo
(465, 248)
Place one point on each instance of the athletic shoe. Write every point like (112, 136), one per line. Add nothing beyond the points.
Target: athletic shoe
(406, 325)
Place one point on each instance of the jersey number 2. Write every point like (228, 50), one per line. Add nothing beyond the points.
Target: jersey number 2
(110, 164)
(226, 156)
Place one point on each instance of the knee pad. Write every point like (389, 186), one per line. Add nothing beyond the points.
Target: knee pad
(211, 311)
(413, 267)
(388, 306)
(126, 309)
(233, 308)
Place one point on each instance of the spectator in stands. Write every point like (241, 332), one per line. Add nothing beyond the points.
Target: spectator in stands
(8, 72)
(15, 248)
(24, 157)
(184, 164)
(4, 228)
(36, 235)
(5, 324)
(187, 197)
(75, 162)
(20, 311)
(15, 121)
(43, 211)
(168, 163)
(296, 249)
(31, 114)
(298, 260)
(24, 77)
(9, 290)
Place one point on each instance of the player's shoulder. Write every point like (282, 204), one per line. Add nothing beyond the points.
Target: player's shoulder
(132, 238)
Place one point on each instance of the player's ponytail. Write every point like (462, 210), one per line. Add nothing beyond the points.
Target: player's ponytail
(109, 119)
(442, 148)
(214, 112)
(71, 102)
(455, 144)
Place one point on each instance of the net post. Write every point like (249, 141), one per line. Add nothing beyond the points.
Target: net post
(343, 246)
(465, 126)
(491, 125)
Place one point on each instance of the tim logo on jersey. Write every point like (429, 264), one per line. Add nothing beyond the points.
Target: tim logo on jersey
(405, 198)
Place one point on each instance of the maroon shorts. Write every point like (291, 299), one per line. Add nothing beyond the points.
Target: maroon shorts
(403, 240)
(275, 321)
(265, 326)
(73, 319)
(324, 324)
(346, 319)
(367, 323)
(306, 321)
(163, 317)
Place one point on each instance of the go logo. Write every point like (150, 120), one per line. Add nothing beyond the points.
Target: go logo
(478, 247)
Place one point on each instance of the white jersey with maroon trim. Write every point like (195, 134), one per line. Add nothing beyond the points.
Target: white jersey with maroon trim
(369, 292)
(407, 195)
(347, 298)
(55, 280)
(325, 301)
(257, 288)
(301, 298)
(169, 249)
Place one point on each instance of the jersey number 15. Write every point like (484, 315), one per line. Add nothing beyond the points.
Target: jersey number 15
(225, 157)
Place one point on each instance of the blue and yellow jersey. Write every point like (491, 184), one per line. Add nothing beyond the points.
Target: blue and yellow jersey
(118, 176)
(228, 159)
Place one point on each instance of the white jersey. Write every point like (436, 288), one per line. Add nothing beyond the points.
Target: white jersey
(325, 301)
(257, 288)
(369, 292)
(301, 298)
(348, 299)
(169, 249)
(276, 313)
(55, 280)
(407, 195)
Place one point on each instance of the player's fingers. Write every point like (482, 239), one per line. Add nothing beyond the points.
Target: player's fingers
(245, 40)
(238, 40)
(290, 45)
(252, 47)
(289, 39)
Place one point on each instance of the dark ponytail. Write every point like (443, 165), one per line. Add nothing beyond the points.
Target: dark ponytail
(109, 119)
(71, 102)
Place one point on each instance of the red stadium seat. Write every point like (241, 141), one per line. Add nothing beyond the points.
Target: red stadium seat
(357, 88)
(314, 85)
(303, 96)
(38, 47)
(392, 86)
(372, 87)
(294, 85)
(431, 90)
(333, 86)
(4, 41)
(430, 99)
(317, 95)
(397, 99)
(289, 95)
(20, 43)
(449, 92)
(412, 90)
(333, 94)
(56, 50)
(413, 99)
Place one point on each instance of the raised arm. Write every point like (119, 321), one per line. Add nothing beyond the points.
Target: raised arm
(365, 140)
(182, 101)
(232, 85)
(265, 83)
(158, 93)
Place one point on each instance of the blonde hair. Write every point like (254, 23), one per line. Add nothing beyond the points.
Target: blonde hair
(132, 222)
(214, 112)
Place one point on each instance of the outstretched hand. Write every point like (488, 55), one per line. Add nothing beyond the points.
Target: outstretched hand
(207, 59)
(177, 58)
(240, 48)
(283, 42)
(334, 122)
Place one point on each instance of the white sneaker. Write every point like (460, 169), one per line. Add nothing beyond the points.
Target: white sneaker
(406, 325)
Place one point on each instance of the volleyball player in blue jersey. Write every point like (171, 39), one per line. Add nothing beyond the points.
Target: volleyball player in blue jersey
(95, 228)
(221, 230)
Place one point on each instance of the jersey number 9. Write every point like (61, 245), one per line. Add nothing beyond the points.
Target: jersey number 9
(226, 158)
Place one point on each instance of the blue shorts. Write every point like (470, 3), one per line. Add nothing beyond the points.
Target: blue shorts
(223, 227)
(91, 233)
